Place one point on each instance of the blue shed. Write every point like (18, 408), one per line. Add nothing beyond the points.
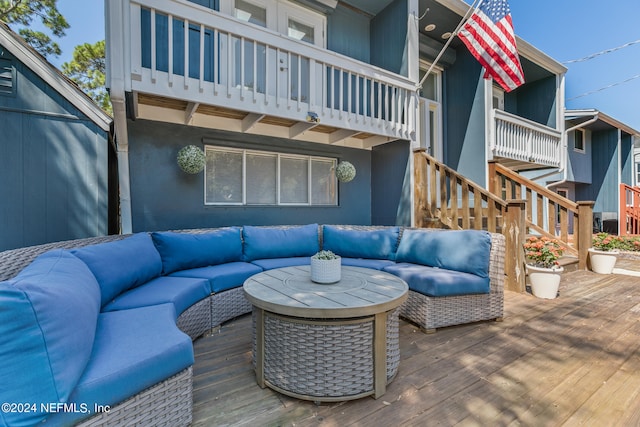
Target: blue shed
(58, 176)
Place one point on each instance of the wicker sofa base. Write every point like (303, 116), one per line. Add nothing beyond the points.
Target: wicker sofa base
(196, 320)
(228, 305)
(325, 360)
(167, 403)
(431, 313)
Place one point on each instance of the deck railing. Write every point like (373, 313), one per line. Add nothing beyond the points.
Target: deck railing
(547, 213)
(514, 206)
(517, 138)
(180, 51)
(446, 199)
(629, 210)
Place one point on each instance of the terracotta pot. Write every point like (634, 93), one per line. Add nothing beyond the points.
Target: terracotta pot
(602, 262)
(544, 281)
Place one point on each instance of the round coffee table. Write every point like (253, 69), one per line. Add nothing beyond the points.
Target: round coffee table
(326, 342)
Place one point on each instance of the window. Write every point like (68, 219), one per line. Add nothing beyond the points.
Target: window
(7, 77)
(497, 98)
(430, 111)
(251, 177)
(578, 140)
(637, 174)
(248, 12)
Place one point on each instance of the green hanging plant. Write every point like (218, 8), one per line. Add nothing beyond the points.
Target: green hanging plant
(345, 171)
(191, 159)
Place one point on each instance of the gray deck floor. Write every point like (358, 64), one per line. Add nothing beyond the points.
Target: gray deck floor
(570, 361)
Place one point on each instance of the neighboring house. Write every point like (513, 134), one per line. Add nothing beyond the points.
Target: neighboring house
(57, 162)
(600, 152)
(468, 120)
(278, 92)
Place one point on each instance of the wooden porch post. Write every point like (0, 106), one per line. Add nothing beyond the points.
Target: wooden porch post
(420, 187)
(585, 232)
(515, 231)
(493, 186)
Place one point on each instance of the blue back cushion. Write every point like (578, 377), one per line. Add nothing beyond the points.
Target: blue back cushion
(182, 251)
(122, 265)
(48, 318)
(276, 242)
(460, 250)
(373, 244)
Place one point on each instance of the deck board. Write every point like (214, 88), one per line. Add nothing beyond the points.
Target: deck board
(570, 361)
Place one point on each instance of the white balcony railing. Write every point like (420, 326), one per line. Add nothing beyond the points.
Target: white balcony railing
(517, 138)
(183, 51)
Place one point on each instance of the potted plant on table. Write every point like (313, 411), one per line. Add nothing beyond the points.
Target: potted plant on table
(542, 254)
(325, 267)
(603, 252)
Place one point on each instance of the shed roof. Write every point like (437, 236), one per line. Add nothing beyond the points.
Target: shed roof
(17, 46)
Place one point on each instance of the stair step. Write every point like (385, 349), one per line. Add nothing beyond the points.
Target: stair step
(569, 263)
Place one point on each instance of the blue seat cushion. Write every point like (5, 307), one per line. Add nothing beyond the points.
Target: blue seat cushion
(122, 264)
(438, 282)
(279, 242)
(271, 263)
(182, 292)
(460, 250)
(375, 244)
(134, 350)
(224, 276)
(48, 317)
(375, 264)
(181, 251)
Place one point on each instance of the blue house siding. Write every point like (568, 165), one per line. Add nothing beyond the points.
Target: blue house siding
(626, 159)
(535, 101)
(164, 197)
(464, 118)
(579, 163)
(388, 38)
(348, 33)
(604, 184)
(391, 184)
(53, 166)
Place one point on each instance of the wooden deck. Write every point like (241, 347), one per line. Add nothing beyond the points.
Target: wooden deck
(570, 361)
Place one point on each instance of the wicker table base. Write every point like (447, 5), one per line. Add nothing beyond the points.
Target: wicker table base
(329, 358)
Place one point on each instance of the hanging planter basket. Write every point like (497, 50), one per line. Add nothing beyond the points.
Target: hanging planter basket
(191, 159)
(345, 171)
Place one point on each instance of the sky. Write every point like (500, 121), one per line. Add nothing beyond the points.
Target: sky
(563, 29)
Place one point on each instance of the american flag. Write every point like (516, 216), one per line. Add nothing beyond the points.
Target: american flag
(489, 36)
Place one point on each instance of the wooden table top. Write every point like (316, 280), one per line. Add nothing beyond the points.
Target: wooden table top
(360, 292)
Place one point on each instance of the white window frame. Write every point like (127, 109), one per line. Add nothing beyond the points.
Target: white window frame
(279, 157)
(278, 14)
(433, 107)
(583, 132)
(497, 93)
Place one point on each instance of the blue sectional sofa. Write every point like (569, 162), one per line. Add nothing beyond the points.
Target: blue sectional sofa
(99, 331)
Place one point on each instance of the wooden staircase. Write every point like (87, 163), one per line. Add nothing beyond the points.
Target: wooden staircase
(514, 206)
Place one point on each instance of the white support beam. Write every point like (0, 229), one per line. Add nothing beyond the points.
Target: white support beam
(341, 135)
(250, 121)
(299, 128)
(191, 109)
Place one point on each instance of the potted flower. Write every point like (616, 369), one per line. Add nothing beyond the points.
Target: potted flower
(325, 267)
(542, 254)
(604, 252)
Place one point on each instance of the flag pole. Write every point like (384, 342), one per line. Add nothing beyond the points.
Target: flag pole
(446, 45)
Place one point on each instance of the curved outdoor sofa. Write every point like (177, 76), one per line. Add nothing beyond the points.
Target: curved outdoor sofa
(107, 323)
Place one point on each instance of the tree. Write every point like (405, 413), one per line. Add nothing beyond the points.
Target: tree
(23, 12)
(87, 69)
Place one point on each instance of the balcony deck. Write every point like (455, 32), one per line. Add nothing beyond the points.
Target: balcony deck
(569, 361)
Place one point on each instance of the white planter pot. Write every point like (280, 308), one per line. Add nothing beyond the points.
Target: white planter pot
(326, 271)
(544, 281)
(602, 262)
